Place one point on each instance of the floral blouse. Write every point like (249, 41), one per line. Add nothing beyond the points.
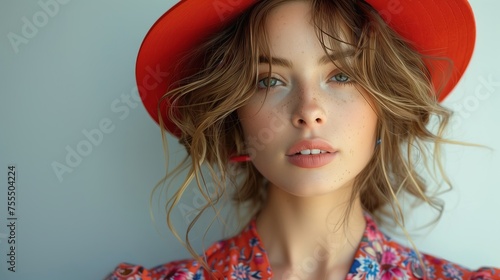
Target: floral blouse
(243, 258)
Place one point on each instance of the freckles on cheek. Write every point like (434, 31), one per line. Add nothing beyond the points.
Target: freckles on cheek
(360, 128)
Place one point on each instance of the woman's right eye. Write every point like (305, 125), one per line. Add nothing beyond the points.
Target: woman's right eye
(269, 82)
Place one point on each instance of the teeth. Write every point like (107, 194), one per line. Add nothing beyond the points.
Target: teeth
(312, 152)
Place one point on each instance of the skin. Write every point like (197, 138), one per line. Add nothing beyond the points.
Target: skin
(308, 99)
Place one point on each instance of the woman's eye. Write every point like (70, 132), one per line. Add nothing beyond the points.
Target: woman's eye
(341, 78)
(269, 82)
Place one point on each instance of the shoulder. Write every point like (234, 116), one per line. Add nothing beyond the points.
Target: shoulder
(438, 268)
(380, 257)
(387, 259)
(241, 255)
(179, 270)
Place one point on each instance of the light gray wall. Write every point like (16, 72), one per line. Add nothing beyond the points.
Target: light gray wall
(71, 76)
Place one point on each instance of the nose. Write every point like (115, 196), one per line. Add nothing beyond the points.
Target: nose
(309, 112)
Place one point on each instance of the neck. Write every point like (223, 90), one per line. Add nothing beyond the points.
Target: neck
(299, 230)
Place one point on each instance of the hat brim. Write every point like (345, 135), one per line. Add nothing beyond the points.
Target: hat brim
(435, 28)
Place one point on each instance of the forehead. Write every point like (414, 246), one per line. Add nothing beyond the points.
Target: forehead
(290, 24)
(289, 20)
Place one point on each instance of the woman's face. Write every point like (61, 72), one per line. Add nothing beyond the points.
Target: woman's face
(315, 130)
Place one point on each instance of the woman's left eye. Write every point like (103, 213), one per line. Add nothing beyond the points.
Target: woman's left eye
(341, 78)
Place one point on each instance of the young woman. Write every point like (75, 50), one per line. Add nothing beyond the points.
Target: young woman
(315, 114)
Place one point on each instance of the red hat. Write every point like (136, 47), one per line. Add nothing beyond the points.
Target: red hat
(439, 28)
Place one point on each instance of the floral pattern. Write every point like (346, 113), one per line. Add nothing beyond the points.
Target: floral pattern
(243, 258)
(452, 272)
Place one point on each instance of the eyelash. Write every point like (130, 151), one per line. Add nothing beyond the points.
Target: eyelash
(261, 86)
(348, 82)
(260, 83)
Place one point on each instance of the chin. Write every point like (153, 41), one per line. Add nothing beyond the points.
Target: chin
(314, 189)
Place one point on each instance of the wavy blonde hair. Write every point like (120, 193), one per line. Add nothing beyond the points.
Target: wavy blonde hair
(220, 75)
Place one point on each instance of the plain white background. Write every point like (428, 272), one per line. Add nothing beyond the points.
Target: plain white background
(74, 74)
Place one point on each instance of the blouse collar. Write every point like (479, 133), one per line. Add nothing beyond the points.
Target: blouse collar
(376, 255)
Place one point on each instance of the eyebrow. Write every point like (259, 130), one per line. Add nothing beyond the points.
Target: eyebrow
(327, 58)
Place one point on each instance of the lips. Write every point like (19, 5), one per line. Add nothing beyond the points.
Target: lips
(312, 145)
(311, 153)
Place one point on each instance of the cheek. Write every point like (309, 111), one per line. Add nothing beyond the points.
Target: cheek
(263, 133)
(359, 127)
(365, 125)
(248, 113)
(251, 120)
(258, 128)
(262, 118)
